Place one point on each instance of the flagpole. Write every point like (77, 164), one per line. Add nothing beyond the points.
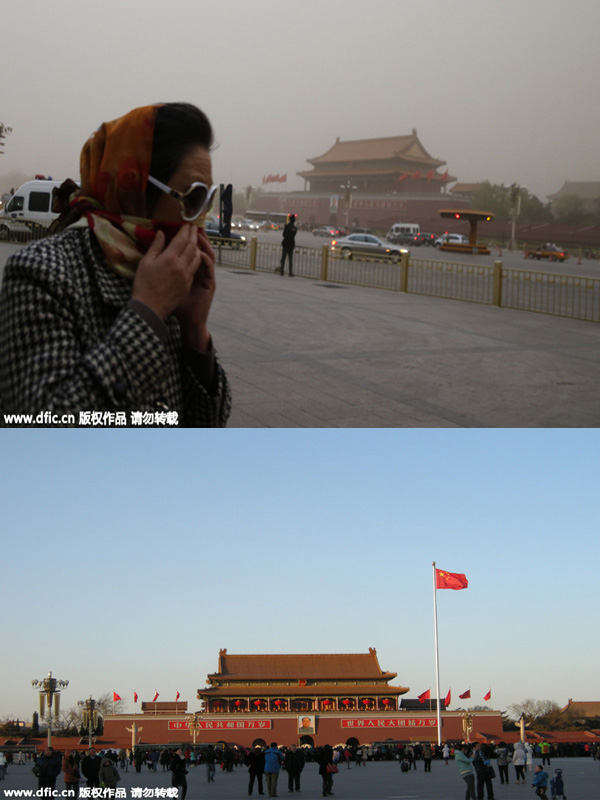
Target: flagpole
(437, 665)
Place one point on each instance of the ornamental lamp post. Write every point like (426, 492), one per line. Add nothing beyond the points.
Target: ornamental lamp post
(49, 689)
(349, 188)
(467, 723)
(194, 725)
(90, 716)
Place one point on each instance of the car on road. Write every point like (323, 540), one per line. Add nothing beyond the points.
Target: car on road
(451, 238)
(549, 251)
(365, 244)
(424, 239)
(234, 240)
(326, 230)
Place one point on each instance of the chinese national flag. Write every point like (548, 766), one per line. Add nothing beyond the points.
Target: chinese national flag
(416, 175)
(488, 696)
(450, 580)
(403, 177)
(115, 697)
(465, 695)
(448, 699)
(135, 697)
(429, 175)
(425, 696)
(155, 698)
(445, 176)
(177, 696)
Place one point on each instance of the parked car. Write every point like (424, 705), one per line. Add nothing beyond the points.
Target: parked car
(365, 244)
(235, 240)
(549, 251)
(451, 238)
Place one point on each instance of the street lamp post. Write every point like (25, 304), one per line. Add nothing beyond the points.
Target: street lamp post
(49, 689)
(90, 716)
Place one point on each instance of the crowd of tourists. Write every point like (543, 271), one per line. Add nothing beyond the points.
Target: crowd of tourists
(478, 764)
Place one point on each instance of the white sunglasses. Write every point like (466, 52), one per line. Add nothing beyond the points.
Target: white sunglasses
(197, 200)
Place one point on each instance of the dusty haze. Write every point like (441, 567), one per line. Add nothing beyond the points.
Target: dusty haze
(502, 91)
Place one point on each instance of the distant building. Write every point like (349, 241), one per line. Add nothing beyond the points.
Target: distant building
(587, 191)
(312, 699)
(390, 165)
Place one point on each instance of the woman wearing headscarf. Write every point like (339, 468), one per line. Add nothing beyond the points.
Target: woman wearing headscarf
(112, 314)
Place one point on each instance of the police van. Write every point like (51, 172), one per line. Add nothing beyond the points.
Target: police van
(29, 210)
(403, 232)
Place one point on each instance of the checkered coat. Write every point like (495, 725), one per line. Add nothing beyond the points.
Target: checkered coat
(70, 343)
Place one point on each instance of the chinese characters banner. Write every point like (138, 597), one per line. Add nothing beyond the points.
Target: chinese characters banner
(205, 725)
(404, 722)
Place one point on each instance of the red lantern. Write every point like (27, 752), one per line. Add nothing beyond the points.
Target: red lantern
(238, 702)
(385, 701)
(346, 702)
(326, 702)
(257, 703)
(278, 703)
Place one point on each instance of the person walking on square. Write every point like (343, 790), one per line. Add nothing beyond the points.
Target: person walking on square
(255, 761)
(519, 757)
(179, 770)
(540, 781)
(71, 776)
(502, 761)
(48, 768)
(545, 747)
(209, 760)
(273, 761)
(90, 767)
(293, 763)
(108, 776)
(325, 761)
(427, 756)
(288, 243)
(465, 766)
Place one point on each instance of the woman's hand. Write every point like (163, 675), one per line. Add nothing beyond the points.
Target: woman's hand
(193, 311)
(164, 276)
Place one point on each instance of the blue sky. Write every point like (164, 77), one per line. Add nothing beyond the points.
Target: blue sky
(131, 557)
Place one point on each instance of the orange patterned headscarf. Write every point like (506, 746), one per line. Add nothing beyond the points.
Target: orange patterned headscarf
(115, 162)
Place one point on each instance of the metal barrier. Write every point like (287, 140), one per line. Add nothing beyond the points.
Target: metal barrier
(561, 295)
(468, 282)
(526, 290)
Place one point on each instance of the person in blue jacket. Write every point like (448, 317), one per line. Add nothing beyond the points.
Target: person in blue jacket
(540, 781)
(273, 762)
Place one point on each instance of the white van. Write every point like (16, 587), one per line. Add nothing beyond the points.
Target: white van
(28, 208)
(403, 232)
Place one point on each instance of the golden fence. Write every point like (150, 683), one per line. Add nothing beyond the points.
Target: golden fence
(569, 296)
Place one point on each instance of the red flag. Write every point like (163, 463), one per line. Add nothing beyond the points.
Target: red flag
(135, 697)
(115, 697)
(177, 696)
(283, 178)
(425, 696)
(488, 696)
(448, 699)
(155, 697)
(450, 580)
(429, 175)
(445, 176)
(416, 175)
(465, 695)
(403, 177)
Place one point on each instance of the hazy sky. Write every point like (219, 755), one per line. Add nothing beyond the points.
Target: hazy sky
(502, 90)
(130, 558)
